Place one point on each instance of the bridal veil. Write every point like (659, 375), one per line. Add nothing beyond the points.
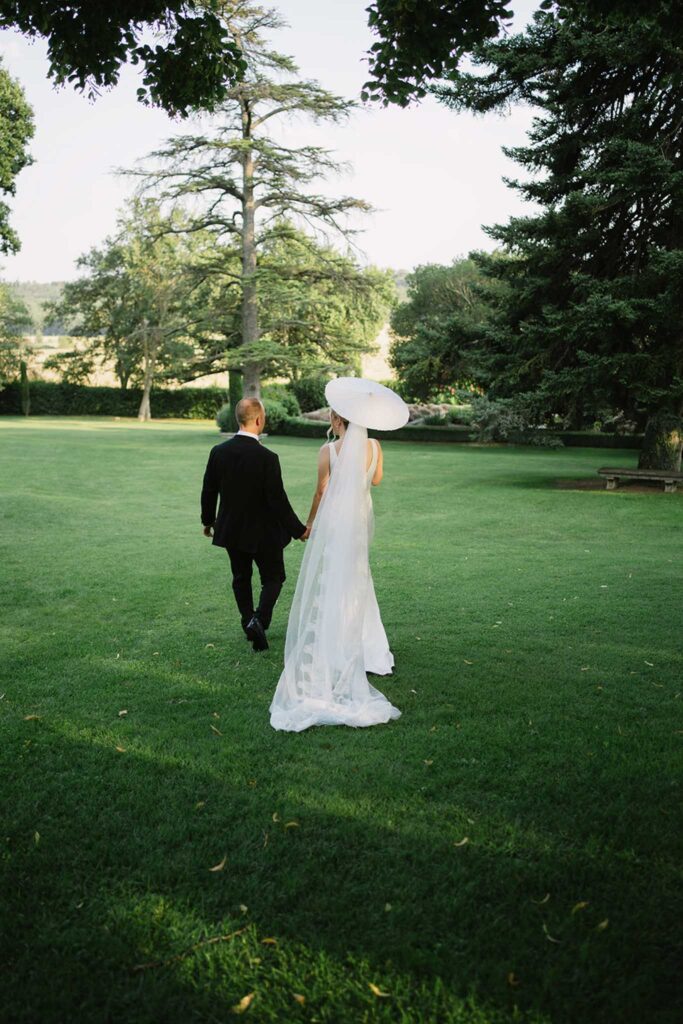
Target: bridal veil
(324, 680)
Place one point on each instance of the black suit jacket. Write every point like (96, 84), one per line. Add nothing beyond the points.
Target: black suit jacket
(254, 512)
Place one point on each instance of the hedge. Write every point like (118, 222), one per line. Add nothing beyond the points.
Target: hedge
(299, 427)
(590, 439)
(48, 399)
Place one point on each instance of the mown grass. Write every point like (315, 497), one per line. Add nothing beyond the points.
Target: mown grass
(537, 637)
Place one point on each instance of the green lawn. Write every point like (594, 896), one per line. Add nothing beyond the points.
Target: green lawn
(508, 850)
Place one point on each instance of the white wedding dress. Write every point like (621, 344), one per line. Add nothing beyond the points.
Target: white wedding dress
(335, 634)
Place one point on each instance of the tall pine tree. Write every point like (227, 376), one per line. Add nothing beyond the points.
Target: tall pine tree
(593, 316)
(243, 178)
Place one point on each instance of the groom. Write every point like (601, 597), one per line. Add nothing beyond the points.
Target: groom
(255, 521)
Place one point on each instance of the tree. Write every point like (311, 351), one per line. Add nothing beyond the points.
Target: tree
(242, 179)
(134, 306)
(15, 323)
(593, 314)
(317, 309)
(192, 65)
(439, 330)
(16, 131)
(421, 42)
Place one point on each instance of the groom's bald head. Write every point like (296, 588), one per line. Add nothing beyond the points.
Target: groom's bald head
(248, 410)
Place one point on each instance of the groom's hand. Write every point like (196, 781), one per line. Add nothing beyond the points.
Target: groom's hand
(208, 531)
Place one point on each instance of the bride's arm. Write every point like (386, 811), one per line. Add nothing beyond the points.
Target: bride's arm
(323, 478)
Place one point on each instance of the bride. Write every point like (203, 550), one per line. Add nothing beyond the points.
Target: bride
(335, 634)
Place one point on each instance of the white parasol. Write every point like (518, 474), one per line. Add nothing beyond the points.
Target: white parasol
(367, 403)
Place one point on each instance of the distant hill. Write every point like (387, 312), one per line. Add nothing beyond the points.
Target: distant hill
(35, 294)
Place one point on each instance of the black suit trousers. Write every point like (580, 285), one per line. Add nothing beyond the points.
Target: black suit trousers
(271, 566)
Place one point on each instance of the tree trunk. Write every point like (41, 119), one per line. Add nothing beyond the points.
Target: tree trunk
(663, 442)
(235, 392)
(250, 329)
(145, 410)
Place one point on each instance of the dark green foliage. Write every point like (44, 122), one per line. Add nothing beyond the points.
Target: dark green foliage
(16, 131)
(192, 64)
(310, 392)
(24, 388)
(439, 330)
(235, 393)
(277, 417)
(422, 40)
(589, 439)
(282, 394)
(49, 399)
(592, 317)
(225, 420)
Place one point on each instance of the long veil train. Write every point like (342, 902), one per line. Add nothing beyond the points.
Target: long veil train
(324, 680)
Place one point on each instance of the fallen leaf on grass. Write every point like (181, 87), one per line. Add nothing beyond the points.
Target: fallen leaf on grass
(209, 645)
(291, 824)
(244, 1003)
(123, 713)
(217, 731)
(603, 924)
(244, 908)
(265, 839)
(376, 991)
(219, 867)
(36, 837)
(513, 980)
(121, 750)
(31, 718)
(428, 763)
(468, 662)
(276, 816)
(463, 842)
(549, 936)
(251, 782)
(387, 907)
(269, 942)
(650, 663)
(539, 903)
(200, 803)
(214, 714)
(299, 998)
(581, 905)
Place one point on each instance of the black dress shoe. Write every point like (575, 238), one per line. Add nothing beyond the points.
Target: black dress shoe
(257, 634)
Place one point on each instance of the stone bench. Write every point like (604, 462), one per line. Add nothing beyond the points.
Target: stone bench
(668, 477)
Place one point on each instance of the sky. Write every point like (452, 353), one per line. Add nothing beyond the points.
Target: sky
(433, 176)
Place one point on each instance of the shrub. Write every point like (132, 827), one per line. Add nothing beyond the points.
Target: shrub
(436, 419)
(281, 394)
(276, 417)
(224, 419)
(504, 420)
(460, 415)
(310, 392)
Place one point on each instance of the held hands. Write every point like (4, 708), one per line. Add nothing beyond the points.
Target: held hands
(306, 534)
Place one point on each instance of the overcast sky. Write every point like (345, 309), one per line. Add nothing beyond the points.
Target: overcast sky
(434, 176)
